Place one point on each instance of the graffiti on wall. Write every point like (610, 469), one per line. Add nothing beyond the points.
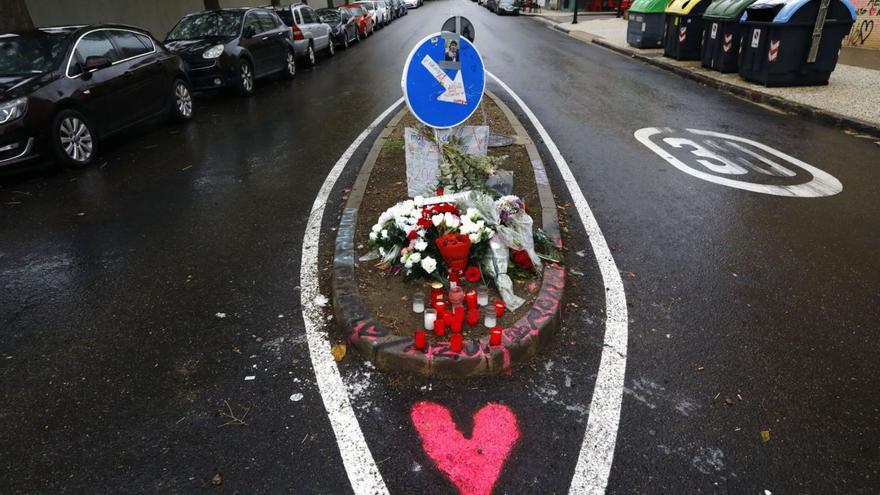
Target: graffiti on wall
(867, 18)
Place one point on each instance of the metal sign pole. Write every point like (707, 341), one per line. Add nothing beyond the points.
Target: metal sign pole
(817, 31)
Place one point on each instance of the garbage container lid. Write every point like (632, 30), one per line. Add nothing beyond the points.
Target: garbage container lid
(727, 9)
(684, 7)
(790, 7)
(649, 6)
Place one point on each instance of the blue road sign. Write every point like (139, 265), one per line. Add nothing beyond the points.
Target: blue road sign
(443, 80)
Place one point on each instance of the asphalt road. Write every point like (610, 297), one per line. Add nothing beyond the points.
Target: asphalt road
(117, 360)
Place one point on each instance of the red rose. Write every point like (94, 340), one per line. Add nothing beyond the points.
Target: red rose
(472, 274)
(412, 235)
(439, 191)
(425, 223)
(522, 259)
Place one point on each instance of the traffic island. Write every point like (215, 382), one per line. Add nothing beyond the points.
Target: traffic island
(373, 298)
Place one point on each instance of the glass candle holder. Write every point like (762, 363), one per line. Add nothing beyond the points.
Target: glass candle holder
(482, 295)
(490, 320)
(430, 316)
(418, 302)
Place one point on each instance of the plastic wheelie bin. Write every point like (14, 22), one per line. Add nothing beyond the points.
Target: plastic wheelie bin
(721, 34)
(684, 29)
(646, 23)
(793, 42)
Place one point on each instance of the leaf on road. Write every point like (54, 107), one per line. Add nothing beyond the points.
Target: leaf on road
(217, 480)
(338, 352)
(765, 436)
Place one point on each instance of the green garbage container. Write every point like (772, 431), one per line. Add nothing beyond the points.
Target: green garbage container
(647, 20)
(684, 29)
(722, 33)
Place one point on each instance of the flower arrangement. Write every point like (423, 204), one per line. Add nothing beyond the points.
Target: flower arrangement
(410, 237)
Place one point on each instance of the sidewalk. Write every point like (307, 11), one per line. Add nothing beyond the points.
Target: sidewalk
(850, 100)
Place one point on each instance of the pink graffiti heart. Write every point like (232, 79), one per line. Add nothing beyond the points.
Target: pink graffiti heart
(473, 464)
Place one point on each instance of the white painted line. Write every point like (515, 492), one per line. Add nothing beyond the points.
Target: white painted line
(597, 450)
(363, 474)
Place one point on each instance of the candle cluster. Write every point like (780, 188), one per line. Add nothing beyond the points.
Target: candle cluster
(447, 312)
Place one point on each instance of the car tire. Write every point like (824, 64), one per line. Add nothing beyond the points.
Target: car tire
(181, 101)
(357, 35)
(74, 142)
(345, 41)
(310, 56)
(331, 49)
(245, 78)
(290, 64)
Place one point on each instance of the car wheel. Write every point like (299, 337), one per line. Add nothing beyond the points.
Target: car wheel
(182, 101)
(290, 64)
(345, 41)
(331, 48)
(357, 35)
(245, 78)
(73, 139)
(310, 56)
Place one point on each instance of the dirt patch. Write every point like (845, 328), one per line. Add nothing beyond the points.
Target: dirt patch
(388, 298)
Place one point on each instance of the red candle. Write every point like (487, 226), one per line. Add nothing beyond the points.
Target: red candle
(448, 318)
(420, 342)
(499, 308)
(437, 293)
(439, 327)
(459, 313)
(495, 336)
(473, 317)
(456, 325)
(440, 306)
(470, 298)
(455, 342)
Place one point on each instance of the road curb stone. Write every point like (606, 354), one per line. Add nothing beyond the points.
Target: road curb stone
(390, 352)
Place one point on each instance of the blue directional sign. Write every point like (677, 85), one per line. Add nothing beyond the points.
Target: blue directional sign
(443, 80)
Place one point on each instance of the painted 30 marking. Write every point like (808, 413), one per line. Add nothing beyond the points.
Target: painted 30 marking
(738, 162)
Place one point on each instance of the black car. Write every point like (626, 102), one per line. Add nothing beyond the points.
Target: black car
(232, 47)
(343, 26)
(62, 89)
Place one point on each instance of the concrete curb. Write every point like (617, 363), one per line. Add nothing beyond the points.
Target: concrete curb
(395, 353)
(824, 116)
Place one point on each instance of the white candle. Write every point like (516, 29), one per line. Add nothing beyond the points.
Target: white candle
(490, 320)
(430, 316)
(482, 296)
(418, 302)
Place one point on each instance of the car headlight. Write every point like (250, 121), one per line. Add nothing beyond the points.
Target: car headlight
(213, 52)
(12, 110)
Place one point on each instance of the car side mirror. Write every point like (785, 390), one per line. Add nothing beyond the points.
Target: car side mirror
(94, 63)
(249, 32)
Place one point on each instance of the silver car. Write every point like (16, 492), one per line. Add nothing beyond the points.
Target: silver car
(378, 11)
(310, 35)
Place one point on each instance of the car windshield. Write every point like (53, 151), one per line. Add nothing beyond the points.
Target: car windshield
(32, 52)
(356, 10)
(217, 24)
(369, 6)
(328, 15)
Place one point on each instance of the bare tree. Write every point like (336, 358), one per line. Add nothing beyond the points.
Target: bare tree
(16, 16)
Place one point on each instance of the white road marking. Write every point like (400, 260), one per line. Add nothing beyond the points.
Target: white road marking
(821, 184)
(363, 474)
(597, 450)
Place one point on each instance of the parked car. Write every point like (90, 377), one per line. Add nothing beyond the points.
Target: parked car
(385, 11)
(63, 89)
(373, 9)
(412, 4)
(310, 35)
(343, 26)
(231, 48)
(398, 9)
(506, 7)
(363, 18)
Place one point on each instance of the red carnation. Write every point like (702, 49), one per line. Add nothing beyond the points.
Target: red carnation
(425, 223)
(439, 191)
(412, 235)
(472, 274)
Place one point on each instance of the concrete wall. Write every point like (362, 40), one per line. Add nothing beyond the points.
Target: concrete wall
(158, 16)
(866, 31)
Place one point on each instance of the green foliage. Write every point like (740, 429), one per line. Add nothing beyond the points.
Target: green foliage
(462, 172)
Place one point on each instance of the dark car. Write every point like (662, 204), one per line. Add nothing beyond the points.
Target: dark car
(343, 26)
(398, 7)
(62, 89)
(233, 47)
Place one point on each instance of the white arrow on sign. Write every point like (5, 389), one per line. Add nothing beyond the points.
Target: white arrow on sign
(454, 88)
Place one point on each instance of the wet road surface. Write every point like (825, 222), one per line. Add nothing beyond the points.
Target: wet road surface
(140, 293)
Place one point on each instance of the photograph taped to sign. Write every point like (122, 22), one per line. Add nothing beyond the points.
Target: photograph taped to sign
(443, 98)
(738, 162)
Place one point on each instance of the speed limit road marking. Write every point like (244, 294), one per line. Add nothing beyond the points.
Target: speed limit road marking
(738, 162)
